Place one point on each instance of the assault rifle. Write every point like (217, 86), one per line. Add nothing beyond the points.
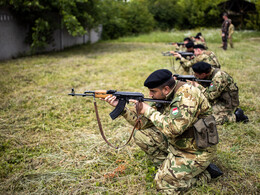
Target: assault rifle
(122, 96)
(178, 43)
(191, 78)
(182, 53)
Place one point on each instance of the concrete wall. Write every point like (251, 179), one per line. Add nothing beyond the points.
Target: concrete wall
(12, 36)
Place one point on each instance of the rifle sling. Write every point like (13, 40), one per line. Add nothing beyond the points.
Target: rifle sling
(136, 126)
(178, 85)
(137, 123)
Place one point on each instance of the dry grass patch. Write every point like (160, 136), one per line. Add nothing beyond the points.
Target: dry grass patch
(49, 141)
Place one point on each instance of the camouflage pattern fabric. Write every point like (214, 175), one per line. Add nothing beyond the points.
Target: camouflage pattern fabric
(182, 170)
(223, 107)
(224, 29)
(225, 26)
(197, 42)
(160, 136)
(180, 48)
(206, 56)
(231, 31)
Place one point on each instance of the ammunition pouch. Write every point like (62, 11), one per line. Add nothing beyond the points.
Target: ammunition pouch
(231, 98)
(206, 133)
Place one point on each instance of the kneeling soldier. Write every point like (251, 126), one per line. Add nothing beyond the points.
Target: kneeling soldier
(201, 55)
(175, 135)
(222, 93)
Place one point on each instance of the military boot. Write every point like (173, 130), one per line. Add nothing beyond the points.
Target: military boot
(214, 171)
(240, 116)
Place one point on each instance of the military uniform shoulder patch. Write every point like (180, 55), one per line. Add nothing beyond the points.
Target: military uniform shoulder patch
(212, 87)
(176, 112)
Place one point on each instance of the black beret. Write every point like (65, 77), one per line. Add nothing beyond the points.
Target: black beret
(157, 78)
(198, 35)
(199, 46)
(187, 39)
(189, 45)
(201, 67)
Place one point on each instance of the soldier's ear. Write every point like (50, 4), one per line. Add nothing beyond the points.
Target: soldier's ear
(166, 90)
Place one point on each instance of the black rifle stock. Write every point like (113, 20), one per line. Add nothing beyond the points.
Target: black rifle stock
(122, 96)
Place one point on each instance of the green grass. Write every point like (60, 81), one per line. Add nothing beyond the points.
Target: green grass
(50, 143)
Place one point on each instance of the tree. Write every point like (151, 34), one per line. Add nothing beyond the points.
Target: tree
(122, 18)
(44, 16)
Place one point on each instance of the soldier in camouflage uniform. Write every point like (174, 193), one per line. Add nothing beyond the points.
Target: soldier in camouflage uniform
(201, 56)
(222, 93)
(199, 40)
(224, 30)
(190, 47)
(166, 132)
(182, 47)
(230, 33)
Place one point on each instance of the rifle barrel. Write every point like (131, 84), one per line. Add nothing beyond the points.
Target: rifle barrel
(80, 94)
(155, 100)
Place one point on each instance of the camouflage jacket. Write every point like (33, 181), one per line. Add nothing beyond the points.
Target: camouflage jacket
(180, 48)
(222, 90)
(225, 26)
(187, 105)
(199, 42)
(231, 29)
(206, 56)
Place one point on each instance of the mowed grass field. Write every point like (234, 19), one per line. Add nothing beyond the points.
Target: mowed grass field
(50, 142)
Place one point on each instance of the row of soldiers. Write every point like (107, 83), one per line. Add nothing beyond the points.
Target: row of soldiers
(181, 137)
(223, 91)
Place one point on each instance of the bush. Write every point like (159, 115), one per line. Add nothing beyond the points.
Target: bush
(125, 18)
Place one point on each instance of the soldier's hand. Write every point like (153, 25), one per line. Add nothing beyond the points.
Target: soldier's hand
(177, 55)
(194, 83)
(144, 106)
(111, 100)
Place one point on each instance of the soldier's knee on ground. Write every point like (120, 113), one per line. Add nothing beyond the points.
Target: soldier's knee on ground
(153, 144)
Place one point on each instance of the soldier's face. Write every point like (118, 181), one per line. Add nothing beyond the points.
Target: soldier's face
(156, 93)
(200, 76)
(197, 52)
(190, 49)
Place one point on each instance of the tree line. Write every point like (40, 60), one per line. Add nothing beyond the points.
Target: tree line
(118, 17)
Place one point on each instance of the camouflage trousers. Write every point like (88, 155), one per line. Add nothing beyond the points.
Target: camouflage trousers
(223, 115)
(230, 41)
(178, 170)
(224, 41)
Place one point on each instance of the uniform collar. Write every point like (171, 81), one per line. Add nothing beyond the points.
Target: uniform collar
(170, 95)
(211, 73)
